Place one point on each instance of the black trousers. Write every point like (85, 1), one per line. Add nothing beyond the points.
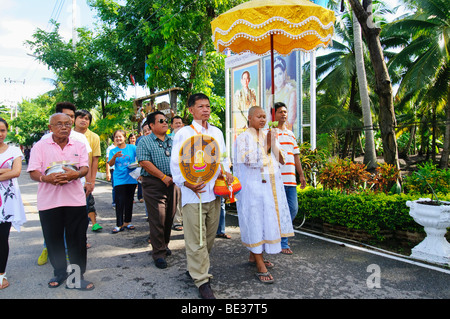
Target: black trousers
(73, 222)
(124, 203)
(161, 202)
(4, 245)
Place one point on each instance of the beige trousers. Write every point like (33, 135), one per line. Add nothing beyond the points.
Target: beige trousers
(198, 256)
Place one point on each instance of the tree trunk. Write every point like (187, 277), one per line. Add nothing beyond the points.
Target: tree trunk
(370, 159)
(405, 152)
(383, 82)
(353, 109)
(433, 134)
(446, 149)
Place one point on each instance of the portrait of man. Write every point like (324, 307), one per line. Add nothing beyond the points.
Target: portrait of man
(246, 93)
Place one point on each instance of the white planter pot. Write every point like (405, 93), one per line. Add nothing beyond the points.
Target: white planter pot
(435, 220)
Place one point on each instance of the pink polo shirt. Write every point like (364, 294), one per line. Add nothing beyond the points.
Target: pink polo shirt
(47, 151)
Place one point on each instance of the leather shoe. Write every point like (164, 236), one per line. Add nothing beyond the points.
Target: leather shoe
(160, 263)
(206, 291)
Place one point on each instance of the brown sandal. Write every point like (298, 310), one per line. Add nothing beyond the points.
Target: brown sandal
(266, 274)
(267, 263)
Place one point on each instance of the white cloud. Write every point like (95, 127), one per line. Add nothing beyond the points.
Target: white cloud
(15, 32)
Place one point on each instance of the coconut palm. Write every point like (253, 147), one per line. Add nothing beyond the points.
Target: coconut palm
(425, 57)
(370, 158)
(345, 76)
(338, 80)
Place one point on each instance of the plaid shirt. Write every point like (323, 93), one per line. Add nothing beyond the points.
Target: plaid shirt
(152, 149)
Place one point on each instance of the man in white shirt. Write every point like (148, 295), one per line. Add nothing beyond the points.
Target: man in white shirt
(198, 256)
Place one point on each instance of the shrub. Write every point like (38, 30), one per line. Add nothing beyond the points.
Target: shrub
(312, 160)
(428, 173)
(372, 212)
(344, 175)
(385, 176)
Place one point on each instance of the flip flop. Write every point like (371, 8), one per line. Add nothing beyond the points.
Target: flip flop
(226, 236)
(130, 227)
(287, 251)
(58, 279)
(83, 286)
(264, 274)
(3, 278)
(116, 230)
(267, 263)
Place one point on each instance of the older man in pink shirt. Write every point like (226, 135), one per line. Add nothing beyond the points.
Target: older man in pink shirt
(61, 200)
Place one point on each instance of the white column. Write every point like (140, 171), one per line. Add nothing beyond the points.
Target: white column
(313, 98)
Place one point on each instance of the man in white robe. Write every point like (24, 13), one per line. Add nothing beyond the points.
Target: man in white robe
(261, 204)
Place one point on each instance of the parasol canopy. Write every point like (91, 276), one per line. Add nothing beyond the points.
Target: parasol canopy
(264, 26)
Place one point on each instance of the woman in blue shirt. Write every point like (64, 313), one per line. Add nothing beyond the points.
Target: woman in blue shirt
(124, 185)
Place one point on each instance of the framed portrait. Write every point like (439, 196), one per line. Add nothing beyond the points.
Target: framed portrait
(245, 93)
(286, 77)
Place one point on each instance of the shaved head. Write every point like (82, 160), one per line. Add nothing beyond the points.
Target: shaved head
(253, 109)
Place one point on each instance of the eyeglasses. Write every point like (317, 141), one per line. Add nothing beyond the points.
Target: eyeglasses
(60, 125)
(161, 121)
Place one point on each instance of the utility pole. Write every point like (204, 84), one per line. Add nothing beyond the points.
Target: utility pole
(74, 34)
(74, 23)
(12, 101)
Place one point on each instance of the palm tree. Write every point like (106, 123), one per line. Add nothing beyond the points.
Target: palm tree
(346, 77)
(425, 57)
(383, 86)
(370, 159)
(338, 82)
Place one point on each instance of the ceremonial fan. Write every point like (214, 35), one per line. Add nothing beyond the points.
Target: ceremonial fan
(199, 162)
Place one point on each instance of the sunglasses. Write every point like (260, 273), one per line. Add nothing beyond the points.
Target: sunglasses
(161, 121)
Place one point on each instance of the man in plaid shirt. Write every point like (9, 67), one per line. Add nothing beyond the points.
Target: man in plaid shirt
(153, 154)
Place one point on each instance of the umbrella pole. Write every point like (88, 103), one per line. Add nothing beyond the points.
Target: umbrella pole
(200, 213)
(272, 107)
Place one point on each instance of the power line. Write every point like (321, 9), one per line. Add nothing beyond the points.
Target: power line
(398, 126)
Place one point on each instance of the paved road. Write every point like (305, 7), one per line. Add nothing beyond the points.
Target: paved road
(121, 267)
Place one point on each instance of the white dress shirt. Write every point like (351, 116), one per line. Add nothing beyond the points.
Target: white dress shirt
(187, 195)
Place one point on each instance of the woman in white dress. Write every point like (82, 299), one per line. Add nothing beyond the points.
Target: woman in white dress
(261, 204)
(12, 212)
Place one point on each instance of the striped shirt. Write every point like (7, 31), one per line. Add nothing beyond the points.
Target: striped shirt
(152, 149)
(289, 145)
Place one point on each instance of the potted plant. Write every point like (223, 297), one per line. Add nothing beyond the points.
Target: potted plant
(434, 216)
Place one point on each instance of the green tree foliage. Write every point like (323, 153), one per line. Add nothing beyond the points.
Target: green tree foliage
(168, 44)
(85, 75)
(32, 120)
(424, 64)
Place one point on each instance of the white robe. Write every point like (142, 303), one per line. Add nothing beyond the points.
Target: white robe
(263, 210)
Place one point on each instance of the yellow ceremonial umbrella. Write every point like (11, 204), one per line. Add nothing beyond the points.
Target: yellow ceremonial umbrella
(265, 26)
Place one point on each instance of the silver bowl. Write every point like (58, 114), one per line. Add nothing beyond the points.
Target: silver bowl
(58, 168)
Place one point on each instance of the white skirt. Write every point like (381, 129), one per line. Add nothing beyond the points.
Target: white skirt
(263, 217)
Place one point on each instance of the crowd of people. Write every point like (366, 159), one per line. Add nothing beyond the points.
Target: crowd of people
(65, 162)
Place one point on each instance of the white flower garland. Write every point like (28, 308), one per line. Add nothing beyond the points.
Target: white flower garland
(273, 19)
(283, 32)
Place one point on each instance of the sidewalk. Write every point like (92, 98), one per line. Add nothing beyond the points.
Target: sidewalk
(121, 268)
